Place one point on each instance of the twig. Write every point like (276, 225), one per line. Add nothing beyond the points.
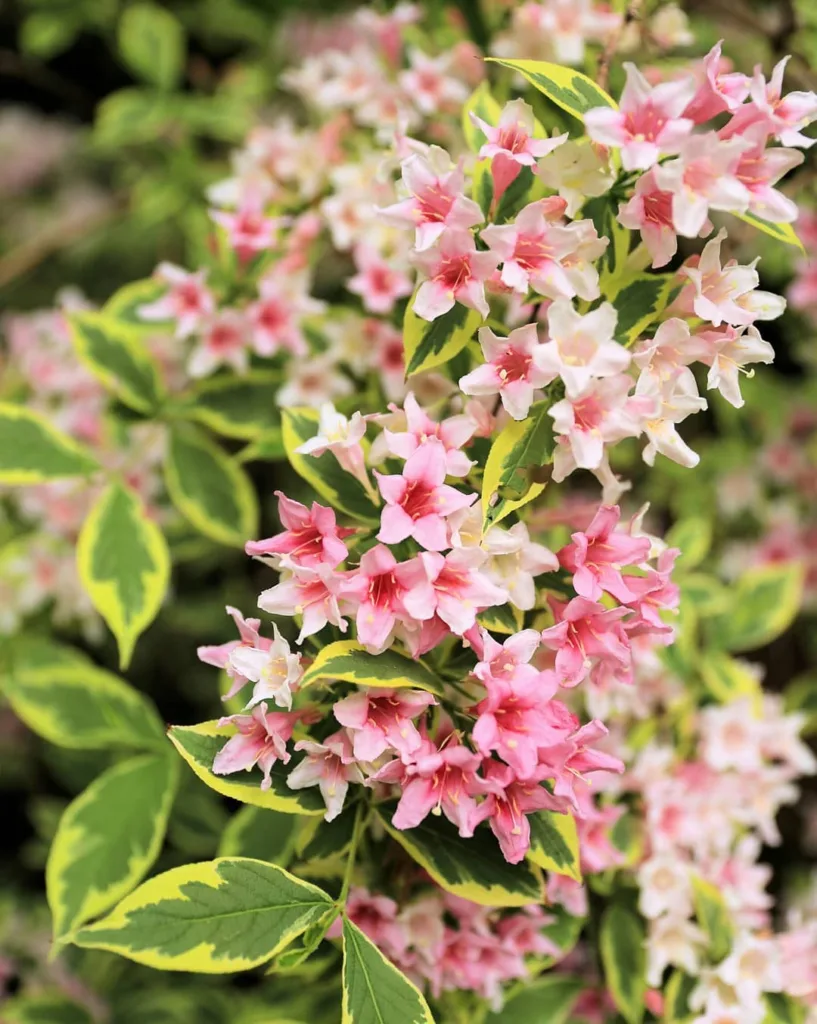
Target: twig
(633, 13)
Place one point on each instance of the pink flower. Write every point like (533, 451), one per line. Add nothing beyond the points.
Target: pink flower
(271, 666)
(509, 661)
(779, 115)
(380, 720)
(650, 211)
(261, 740)
(248, 229)
(376, 917)
(430, 85)
(437, 780)
(511, 144)
(597, 556)
(187, 300)
(512, 720)
(506, 808)
(512, 369)
(648, 123)
(599, 415)
(459, 590)
(330, 766)
(726, 352)
(555, 259)
(275, 319)
(343, 438)
(379, 585)
(585, 632)
(705, 176)
(582, 347)
(223, 343)
(456, 272)
(436, 199)
(651, 594)
(719, 91)
(666, 402)
(728, 294)
(571, 760)
(377, 282)
(219, 655)
(311, 536)
(418, 501)
(311, 593)
(452, 433)
(759, 169)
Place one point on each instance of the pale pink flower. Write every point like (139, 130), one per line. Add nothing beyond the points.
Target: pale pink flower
(381, 720)
(506, 808)
(459, 591)
(726, 352)
(219, 655)
(508, 661)
(649, 122)
(650, 212)
(512, 721)
(666, 355)
(511, 369)
(779, 115)
(343, 438)
(273, 668)
(187, 301)
(275, 319)
(311, 593)
(720, 90)
(453, 433)
(728, 294)
(379, 283)
(759, 169)
(330, 766)
(705, 176)
(436, 201)
(664, 880)
(249, 230)
(597, 556)
(224, 341)
(261, 740)
(311, 535)
(585, 633)
(668, 402)
(456, 271)
(570, 760)
(599, 415)
(514, 560)
(511, 145)
(418, 501)
(674, 941)
(429, 83)
(582, 347)
(555, 259)
(577, 170)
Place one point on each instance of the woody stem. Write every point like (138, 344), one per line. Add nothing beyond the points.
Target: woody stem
(357, 832)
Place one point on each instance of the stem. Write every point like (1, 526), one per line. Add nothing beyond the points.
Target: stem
(357, 832)
(607, 54)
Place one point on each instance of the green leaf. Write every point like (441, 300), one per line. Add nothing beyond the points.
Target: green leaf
(108, 838)
(706, 594)
(118, 359)
(548, 1000)
(782, 1009)
(676, 998)
(151, 41)
(483, 104)
(782, 232)
(621, 942)
(44, 34)
(603, 211)
(130, 117)
(639, 303)
(123, 306)
(713, 917)
(801, 696)
(45, 1009)
(502, 618)
(269, 447)
(322, 840)
(240, 407)
(374, 991)
(472, 868)
(222, 916)
(555, 843)
(693, 537)
(568, 89)
(346, 661)
(521, 447)
(124, 565)
(199, 744)
(727, 679)
(765, 602)
(323, 473)
(431, 343)
(32, 451)
(211, 491)
(260, 833)
(83, 707)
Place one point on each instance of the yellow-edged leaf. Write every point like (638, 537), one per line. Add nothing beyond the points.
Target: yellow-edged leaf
(782, 232)
(32, 451)
(566, 87)
(623, 954)
(521, 449)
(347, 661)
(555, 843)
(432, 343)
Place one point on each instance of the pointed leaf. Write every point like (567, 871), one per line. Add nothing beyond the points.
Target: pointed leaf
(521, 448)
(713, 917)
(199, 744)
(108, 838)
(693, 537)
(782, 232)
(117, 357)
(260, 833)
(472, 868)
(432, 343)
(548, 1000)
(374, 991)
(124, 565)
(123, 306)
(44, 1009)
(222, 916)
(346, 661)
(210, 490)
(240, 407)
(555, 843)
(568, 89)
(765, 602)
(151, 41)
(640, 302)
(621, 942)
(32, 451)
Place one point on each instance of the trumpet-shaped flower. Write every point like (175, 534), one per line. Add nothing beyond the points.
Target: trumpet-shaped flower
(514, 560)
(261, 740)
(597, 556)
(187, 300)
(342, 437)
(378, 282)
(273, 668)
(452, 433)
(275, 319)
(330, 766)
(456, 271)
(726, 352)
(224, 340)
(509, 661)
(507, 806)
(512, 369)
(311, 593)
(381, 720)
(459, 590)
(585, 632)
(311, 536)
(582, 348)
(600, 414)
(512, 721)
